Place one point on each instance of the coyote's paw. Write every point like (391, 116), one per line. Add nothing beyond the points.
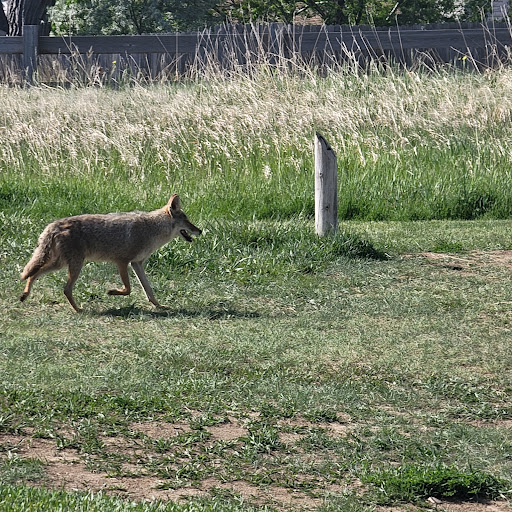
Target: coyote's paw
(118, 292)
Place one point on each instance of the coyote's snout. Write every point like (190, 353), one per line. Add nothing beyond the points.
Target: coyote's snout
(123, 238)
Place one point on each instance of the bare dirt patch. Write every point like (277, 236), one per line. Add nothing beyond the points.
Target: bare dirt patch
(230, 431)
(261, 495)
(135, 477)
(44, 450)
(290, 438)
(492, 506)
(78, 478)
(503, 423)
(123, 466)
(160, 429)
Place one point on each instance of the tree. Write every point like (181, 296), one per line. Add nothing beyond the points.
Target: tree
(23, 12)
(4, 24)
(355, 12)
(153, 16)
(130, 16)
(408, 12)
(252, 11)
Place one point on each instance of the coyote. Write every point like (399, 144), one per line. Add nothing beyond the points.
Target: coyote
(119, 237)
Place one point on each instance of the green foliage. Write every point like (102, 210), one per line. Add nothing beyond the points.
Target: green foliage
(153, 16)
(112, 17)
(361, 364)
(411, 483)
(318, 415)
(356, 12)
(262, 438)
(404, 151)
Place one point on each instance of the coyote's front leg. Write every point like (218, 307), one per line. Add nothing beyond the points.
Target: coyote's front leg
(141, 275)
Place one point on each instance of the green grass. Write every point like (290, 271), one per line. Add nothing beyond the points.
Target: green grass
(410, 483)
(21, 499)
(331, 375)
(287, 371)
(15, 469)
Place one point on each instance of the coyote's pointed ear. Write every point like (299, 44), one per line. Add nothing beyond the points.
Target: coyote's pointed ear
(174, 203)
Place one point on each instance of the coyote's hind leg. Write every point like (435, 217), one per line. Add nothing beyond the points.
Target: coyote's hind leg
(74, 269)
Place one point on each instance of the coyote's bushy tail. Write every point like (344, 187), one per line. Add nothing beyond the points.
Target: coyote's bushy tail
(42, 253)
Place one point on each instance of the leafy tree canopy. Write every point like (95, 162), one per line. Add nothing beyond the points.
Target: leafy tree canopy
(355, 12)
(114, 17)
(153, 16)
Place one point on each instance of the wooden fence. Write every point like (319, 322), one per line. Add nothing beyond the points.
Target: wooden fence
(102, 59)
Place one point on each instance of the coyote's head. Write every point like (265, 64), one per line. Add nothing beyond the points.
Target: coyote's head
(180, 220)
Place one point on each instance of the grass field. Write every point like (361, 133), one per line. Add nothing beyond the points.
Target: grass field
(369, 371)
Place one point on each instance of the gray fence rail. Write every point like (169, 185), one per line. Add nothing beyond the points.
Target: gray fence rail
(157, 57)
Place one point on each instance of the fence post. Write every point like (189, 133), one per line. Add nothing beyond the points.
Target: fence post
(326, 188)
(30, 51)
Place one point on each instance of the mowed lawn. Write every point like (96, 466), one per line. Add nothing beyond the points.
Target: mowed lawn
(367, 371)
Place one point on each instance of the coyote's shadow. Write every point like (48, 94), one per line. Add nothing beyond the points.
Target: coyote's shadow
(220, 313)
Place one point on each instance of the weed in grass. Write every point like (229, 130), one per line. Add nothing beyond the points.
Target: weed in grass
(271, 411)
(318, 439)
(347, 502)
(261, 438)
(206, 420)
(447, 246)
(8, 422)
(320, 415)
(412, 483)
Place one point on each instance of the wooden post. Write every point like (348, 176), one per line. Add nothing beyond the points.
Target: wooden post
(30, 51)
(326, 188)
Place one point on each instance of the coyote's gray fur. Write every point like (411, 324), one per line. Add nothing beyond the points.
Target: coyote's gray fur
(119, 237)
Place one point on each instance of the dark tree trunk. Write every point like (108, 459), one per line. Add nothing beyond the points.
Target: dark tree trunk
(25, 12)
(4, 24)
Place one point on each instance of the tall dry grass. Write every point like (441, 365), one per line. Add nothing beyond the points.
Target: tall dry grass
(410, 144)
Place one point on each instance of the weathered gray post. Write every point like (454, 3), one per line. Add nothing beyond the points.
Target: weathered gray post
(30, 51)
(326, 188)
